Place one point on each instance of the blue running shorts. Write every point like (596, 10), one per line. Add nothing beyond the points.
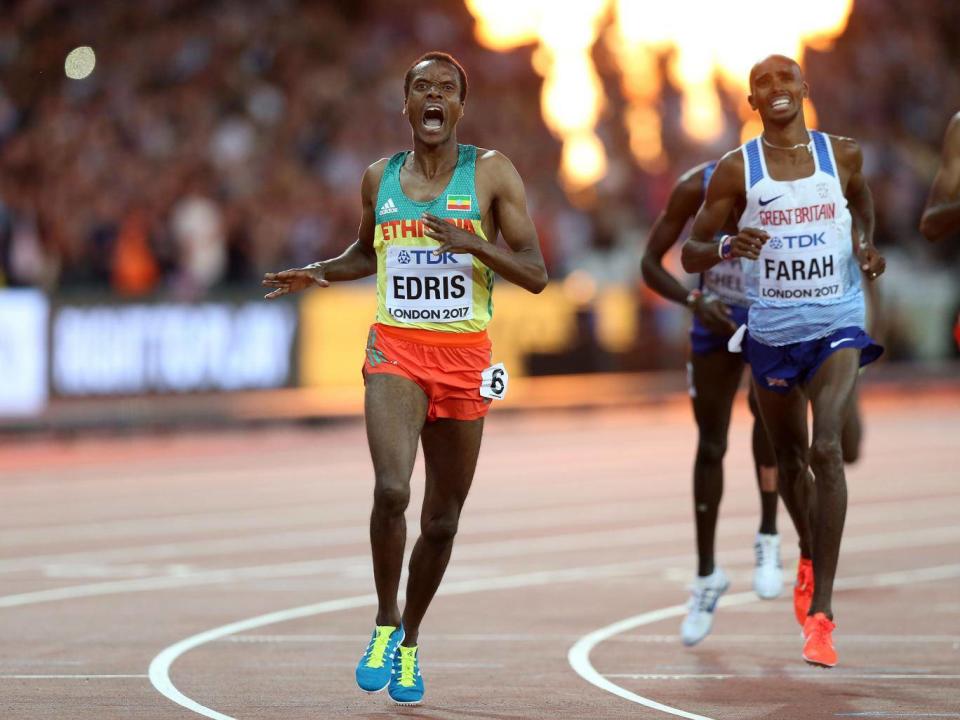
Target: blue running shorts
(780, 367)
(704, 342)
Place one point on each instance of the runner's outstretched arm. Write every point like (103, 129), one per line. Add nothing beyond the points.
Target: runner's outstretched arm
(357, 261)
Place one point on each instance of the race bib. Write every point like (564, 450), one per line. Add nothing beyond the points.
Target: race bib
(802, 267)
(423, 287)
(725, 280)
(493, 382)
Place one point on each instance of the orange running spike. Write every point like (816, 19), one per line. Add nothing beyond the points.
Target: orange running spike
(818, 641)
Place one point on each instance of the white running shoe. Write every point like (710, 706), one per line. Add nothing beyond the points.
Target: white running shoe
(704, 594)
(768, 572)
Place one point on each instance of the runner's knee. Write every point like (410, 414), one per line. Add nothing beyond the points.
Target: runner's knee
(711, 450)
(391, 499)
(440, 529)
(792, 467)
(826, 457)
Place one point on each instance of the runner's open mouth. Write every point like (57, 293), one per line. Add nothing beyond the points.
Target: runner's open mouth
(433, 117)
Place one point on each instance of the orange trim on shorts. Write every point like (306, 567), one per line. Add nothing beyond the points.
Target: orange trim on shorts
(432, 337)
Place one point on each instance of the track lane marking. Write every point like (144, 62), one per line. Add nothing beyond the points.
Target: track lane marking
(565, 542)
(160, 666)
(875, 513)
(772, 676)
(579, 654)
(778, 639)
(911, 715)
(70, 677)
(159, 670)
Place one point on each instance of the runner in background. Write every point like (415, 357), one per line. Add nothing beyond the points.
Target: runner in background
(718, 306)
(941, 216)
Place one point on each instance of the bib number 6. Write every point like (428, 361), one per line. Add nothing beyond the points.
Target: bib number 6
(493, 382)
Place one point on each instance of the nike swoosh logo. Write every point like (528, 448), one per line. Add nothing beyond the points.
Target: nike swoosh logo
(763, 202)
(841, 340)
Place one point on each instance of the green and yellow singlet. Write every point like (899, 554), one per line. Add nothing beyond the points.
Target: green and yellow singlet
(415, 288)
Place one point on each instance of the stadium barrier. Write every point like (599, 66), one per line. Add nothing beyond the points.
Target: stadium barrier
(68, 349)
(68, 362)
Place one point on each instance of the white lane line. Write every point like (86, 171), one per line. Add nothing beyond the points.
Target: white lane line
(353, 535)
(880, 714)
(287, 513)
(497, 549)
(265, 516)
(566, 542)
(160, 665)
(284, 514)
(579, 654)
(363, 638)
(488, 522)
(725, 639)
(229, 520)
(788, 676)
(69, 677)
(483, 550)
(718, 638)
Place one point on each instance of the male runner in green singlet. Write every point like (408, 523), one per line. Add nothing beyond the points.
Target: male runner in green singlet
(428, 230)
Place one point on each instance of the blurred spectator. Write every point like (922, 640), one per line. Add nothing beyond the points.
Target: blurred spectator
(217, 140)
(134, 268)
(200, 238)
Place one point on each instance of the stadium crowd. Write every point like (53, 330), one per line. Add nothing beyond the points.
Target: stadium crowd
(215, 140)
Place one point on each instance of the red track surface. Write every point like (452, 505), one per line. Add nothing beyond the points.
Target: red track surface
(112, 550)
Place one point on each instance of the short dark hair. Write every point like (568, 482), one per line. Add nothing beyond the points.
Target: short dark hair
(439, 57)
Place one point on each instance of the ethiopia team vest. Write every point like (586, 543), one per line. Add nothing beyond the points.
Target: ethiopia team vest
(725, 279)
(806, 283)
(415, 288)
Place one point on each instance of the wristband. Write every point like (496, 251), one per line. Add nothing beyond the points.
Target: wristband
(725, 248)
(693, 296)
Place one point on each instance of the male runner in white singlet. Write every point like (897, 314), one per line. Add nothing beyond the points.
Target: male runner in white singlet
(805, 335)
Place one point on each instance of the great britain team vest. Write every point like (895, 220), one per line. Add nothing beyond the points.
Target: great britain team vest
(806, 283)
(415, 288)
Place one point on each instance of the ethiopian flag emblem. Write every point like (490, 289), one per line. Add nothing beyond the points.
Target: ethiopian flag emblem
(460, 202)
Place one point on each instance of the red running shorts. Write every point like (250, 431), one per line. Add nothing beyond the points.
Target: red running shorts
(446, 366)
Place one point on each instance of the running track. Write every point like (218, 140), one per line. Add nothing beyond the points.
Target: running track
(228, 572)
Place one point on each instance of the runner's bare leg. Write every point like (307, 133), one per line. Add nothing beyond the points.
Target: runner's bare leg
(394, 409)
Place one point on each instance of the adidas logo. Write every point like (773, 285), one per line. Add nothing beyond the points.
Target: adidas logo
(389, 207)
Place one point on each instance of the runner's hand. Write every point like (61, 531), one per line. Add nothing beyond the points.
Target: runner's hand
(289, 281)
(871, 262)
(748, 242)
(715, 315)
(451, 238)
